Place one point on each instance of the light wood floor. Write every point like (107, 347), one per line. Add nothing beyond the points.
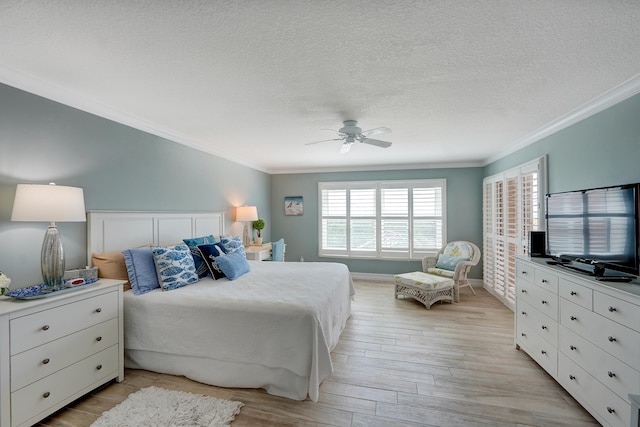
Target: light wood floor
(397, 364)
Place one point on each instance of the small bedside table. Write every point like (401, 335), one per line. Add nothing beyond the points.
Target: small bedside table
(258, 252)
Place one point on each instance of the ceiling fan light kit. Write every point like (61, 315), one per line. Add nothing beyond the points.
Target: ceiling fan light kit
(350, 133)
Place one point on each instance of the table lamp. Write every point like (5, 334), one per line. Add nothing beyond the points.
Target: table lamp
(49, 203)
(246, 214)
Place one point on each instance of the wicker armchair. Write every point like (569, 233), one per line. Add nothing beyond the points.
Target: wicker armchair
(454, 261)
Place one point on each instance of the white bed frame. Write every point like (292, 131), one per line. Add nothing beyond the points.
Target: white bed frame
(109, 231)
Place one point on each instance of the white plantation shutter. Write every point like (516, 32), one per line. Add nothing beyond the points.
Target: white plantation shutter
(512, 206)
(382, 219)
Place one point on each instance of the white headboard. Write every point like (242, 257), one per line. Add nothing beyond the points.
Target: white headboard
(109, 231)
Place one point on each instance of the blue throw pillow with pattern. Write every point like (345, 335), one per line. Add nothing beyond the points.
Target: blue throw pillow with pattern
(232, 244)
(175, 266)
(201, 267)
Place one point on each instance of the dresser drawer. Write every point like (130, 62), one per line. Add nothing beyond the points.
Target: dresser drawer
(619, 311)
(32, 365)
(36, 329)
(619, 377)
(31, 401)
(608, 407)
(575, 293)
(538, 322)
(547, 280)
(615, 339)
(524, 272)
(539, 298)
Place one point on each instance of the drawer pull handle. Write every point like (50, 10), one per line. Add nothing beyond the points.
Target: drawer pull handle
(611, 374)
(612, 339)
(612, 309)
(45, 361)
(544, 302)
(543, 351)
(572, 377)
(524, 291)
(544, 281)
(573, 347)
(610, 410)
(98, 310)
(574, 293)
(573, 318)
(46, 394)
(45, 328)
(524, 313)
(99, 339)
(544, 327)
(524, 272)
(523, 334)
(99, 367)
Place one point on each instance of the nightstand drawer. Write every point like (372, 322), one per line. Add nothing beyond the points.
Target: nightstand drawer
(36, 329)
(37, 363)
(30, 401)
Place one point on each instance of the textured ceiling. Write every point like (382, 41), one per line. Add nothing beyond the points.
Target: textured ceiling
(458, 82)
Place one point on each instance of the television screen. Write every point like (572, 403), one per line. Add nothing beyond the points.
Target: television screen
(595, 226)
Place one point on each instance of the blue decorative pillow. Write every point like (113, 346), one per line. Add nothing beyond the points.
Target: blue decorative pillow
(449, 263)
(233, 265)
(232, 244)
(209, 254)
(141, 270)
(175, 266)
(201, 267)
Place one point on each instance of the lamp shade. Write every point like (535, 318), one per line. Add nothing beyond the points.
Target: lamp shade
(246, 213)
(48, 203)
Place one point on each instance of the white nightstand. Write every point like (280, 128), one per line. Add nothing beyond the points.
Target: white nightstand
(54, 350)
(258, 253)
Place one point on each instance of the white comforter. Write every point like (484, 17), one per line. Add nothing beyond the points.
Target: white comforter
(271, 328)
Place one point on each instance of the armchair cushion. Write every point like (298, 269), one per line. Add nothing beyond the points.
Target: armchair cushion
(447, 262)
(441, 272)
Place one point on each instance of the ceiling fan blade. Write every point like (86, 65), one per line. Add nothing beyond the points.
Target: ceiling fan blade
(345, 147)
(377, 142)
(324, 140)
(375, 131)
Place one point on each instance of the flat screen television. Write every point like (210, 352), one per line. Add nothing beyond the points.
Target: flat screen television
(598, 227)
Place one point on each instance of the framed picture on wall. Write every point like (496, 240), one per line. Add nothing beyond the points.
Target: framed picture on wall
(293, 205)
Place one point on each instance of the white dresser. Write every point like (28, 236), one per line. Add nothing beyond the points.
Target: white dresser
(54, 350)
(584, 333)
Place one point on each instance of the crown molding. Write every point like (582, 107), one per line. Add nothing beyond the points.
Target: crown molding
(600, 103)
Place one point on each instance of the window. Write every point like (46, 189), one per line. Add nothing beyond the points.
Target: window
(382, 219)
(512, 206)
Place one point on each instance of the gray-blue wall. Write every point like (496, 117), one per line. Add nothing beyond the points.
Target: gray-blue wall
(464, 212)
(599, 151)
(120, 168)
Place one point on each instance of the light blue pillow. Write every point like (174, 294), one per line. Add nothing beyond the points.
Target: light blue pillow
(277, 250)
(233, 265)
(141, 269)
(201, 267)
(175, 266)
(449, 263)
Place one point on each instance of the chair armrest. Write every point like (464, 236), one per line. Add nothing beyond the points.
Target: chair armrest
(462, 268)
(428, 262)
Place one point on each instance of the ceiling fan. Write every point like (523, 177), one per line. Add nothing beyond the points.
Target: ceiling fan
(351, 133)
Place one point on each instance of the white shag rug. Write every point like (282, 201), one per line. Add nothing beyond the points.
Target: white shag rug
(156, 407)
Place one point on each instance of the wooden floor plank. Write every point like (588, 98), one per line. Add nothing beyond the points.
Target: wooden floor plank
(396, 365)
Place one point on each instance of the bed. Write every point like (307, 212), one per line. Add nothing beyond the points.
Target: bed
(272, 328)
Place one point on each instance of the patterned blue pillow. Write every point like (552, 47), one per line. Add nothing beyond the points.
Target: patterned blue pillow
(232, 244)
(174, 266)
(449, 263)
(141, 270)
(233, 265)
(209, 254)
(201, 267)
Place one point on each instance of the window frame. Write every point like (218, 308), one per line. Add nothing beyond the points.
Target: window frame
(410, 253)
